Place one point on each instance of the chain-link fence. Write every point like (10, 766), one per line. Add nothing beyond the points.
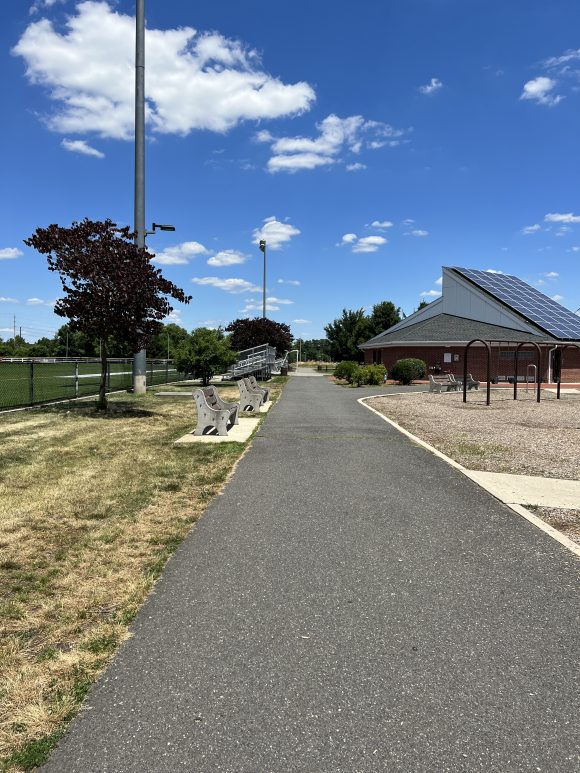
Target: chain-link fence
(31, 382)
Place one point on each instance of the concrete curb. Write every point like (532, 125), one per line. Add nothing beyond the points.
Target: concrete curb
(519, 509)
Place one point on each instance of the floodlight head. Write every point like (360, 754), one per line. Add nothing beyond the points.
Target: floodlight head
(163, 227)
(262, 245)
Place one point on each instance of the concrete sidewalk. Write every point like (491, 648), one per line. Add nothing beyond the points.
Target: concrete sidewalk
(350, 603)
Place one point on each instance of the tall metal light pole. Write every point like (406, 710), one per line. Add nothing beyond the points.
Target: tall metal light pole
(263, 248)
(140, 358)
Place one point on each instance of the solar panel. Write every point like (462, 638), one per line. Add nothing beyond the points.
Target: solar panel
(529, 302)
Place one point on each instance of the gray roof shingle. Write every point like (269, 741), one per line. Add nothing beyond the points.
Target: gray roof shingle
(446, 328)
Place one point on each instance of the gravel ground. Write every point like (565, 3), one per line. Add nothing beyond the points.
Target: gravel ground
(520, 437)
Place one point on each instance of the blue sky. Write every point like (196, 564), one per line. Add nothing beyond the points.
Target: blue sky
(369, 143)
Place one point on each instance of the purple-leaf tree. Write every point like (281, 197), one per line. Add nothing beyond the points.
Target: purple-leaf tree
(110, 285)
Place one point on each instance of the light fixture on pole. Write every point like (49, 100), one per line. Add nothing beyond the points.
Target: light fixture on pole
(160, 227)
(263, 249)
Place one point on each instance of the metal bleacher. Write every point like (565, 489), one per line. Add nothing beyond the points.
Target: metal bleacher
(259, 361)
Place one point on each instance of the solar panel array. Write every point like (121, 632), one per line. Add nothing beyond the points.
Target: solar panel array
(528, 301)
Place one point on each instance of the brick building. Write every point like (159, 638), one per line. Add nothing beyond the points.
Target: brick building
(495, 308)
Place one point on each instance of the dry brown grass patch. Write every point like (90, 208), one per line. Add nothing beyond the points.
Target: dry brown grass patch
(91, 507)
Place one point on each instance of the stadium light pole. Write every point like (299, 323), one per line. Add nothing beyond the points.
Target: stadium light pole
(263, 249)
(140, 358)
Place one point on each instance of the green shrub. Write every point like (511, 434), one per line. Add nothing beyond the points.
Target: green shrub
(406, 371)
(345, 370)
(369, 374)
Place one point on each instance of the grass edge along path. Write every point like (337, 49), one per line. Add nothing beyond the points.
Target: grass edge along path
(91, 508)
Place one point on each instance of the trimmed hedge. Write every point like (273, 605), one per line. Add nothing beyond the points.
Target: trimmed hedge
(345, 370)
(406, 371)
(369, 374)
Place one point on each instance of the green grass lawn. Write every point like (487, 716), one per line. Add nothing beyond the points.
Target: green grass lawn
(24, 383)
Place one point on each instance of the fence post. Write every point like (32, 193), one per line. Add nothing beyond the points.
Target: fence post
(76, 379)
(167, 371)
(31, 385)
(108, 376)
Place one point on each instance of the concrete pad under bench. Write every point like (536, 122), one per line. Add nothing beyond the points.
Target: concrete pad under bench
(174, 394)
(266, 407)
(239, 433)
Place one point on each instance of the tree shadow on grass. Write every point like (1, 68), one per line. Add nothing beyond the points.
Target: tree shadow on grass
(115, 410)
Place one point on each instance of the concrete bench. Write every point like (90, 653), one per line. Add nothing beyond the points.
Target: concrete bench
(442, 384)
(214, 416)
(255, 387)
(471, 382)
(249, 400)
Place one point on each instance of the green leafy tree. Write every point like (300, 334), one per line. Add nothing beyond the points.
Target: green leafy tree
(204, 354)
(168, 339)
(44, 347)
(384, 315)
(346, 333)
(15, 347)
(422, 305)
(74, 343)
(313, 348)
(247, 333)
(112, 290)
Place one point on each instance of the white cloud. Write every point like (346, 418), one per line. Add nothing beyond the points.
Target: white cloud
(195, 80)
(575, 249)
(259, 307)
(439, 281)
(264, 136)
(540, 90)
(9, 253)
(35, 302)
(298, 162)
(430, 88)
(174, 316)
(228, 285)
(493, 271)
(301, 321)
(363, 244)
(38, 5)
(408, 221)
(381, 225)
(531, 229)
(288, 282)
(557, 298)
(227, 258)
(336, 135)
(281, 301)
(82, 147)
(556, 217)
(417, 232)
(570, 55)
(369, 244)
(8, 300)
(357, 167)
(430, 294)
(275, 233)
(551, 274)
(179, 254)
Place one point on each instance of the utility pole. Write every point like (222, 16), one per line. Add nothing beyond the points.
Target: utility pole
(263, 249)
(140, 358)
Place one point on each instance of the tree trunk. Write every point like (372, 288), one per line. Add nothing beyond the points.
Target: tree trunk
(102, 400)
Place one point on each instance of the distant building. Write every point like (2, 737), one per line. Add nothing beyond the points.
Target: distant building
(496, 308)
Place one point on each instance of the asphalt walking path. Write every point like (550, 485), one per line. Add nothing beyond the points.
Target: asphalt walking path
(350, 603)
